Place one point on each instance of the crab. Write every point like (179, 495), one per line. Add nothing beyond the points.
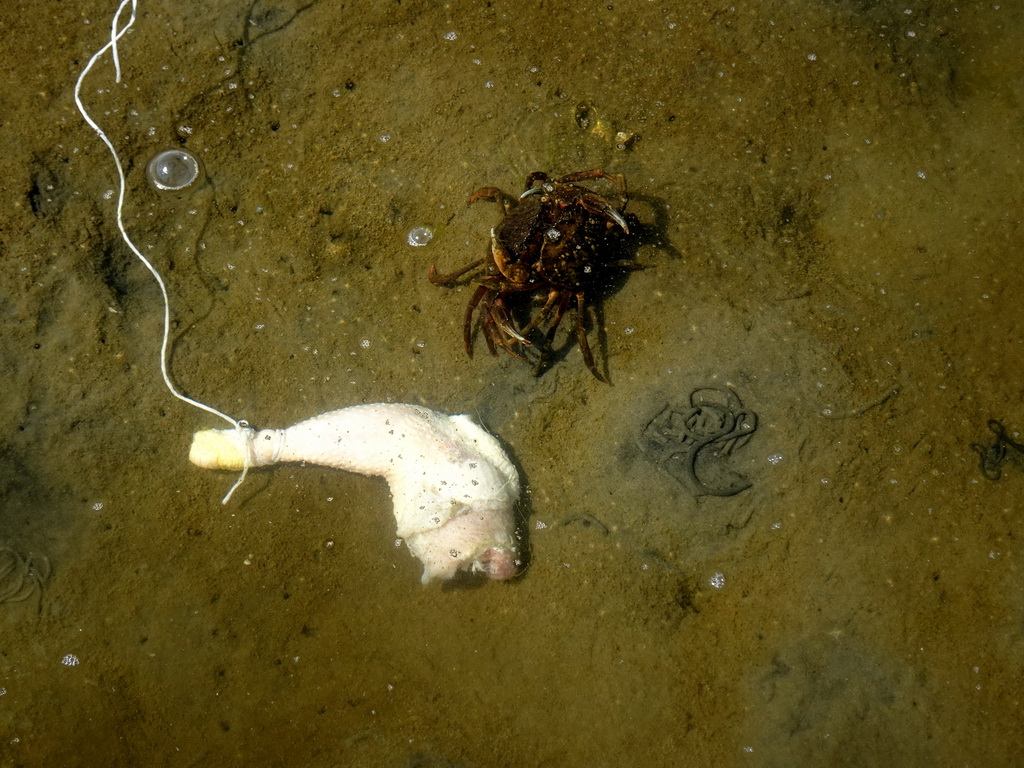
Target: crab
(552, 240)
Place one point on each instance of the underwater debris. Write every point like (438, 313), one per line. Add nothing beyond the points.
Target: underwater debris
(694, 444)
(994, 455)
(22, 577)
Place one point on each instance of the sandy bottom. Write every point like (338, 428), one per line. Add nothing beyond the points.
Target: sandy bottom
(827, 204)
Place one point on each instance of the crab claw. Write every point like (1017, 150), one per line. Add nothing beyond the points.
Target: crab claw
(599, 207)
(619, 219)
(506, 328)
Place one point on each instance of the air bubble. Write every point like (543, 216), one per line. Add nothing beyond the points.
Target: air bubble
(173, 169)
(419, 236)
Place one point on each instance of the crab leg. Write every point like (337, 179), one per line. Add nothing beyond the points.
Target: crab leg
(543, 314)
(492, 195)
(467, 324)
(489, 331)
(616, 178)
(450, 277)
(550, 336)
(581, 336)
(532, 179)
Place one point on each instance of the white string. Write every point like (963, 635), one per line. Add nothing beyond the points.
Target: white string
(115, 35)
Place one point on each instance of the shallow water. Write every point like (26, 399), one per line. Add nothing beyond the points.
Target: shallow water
(830, 200)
